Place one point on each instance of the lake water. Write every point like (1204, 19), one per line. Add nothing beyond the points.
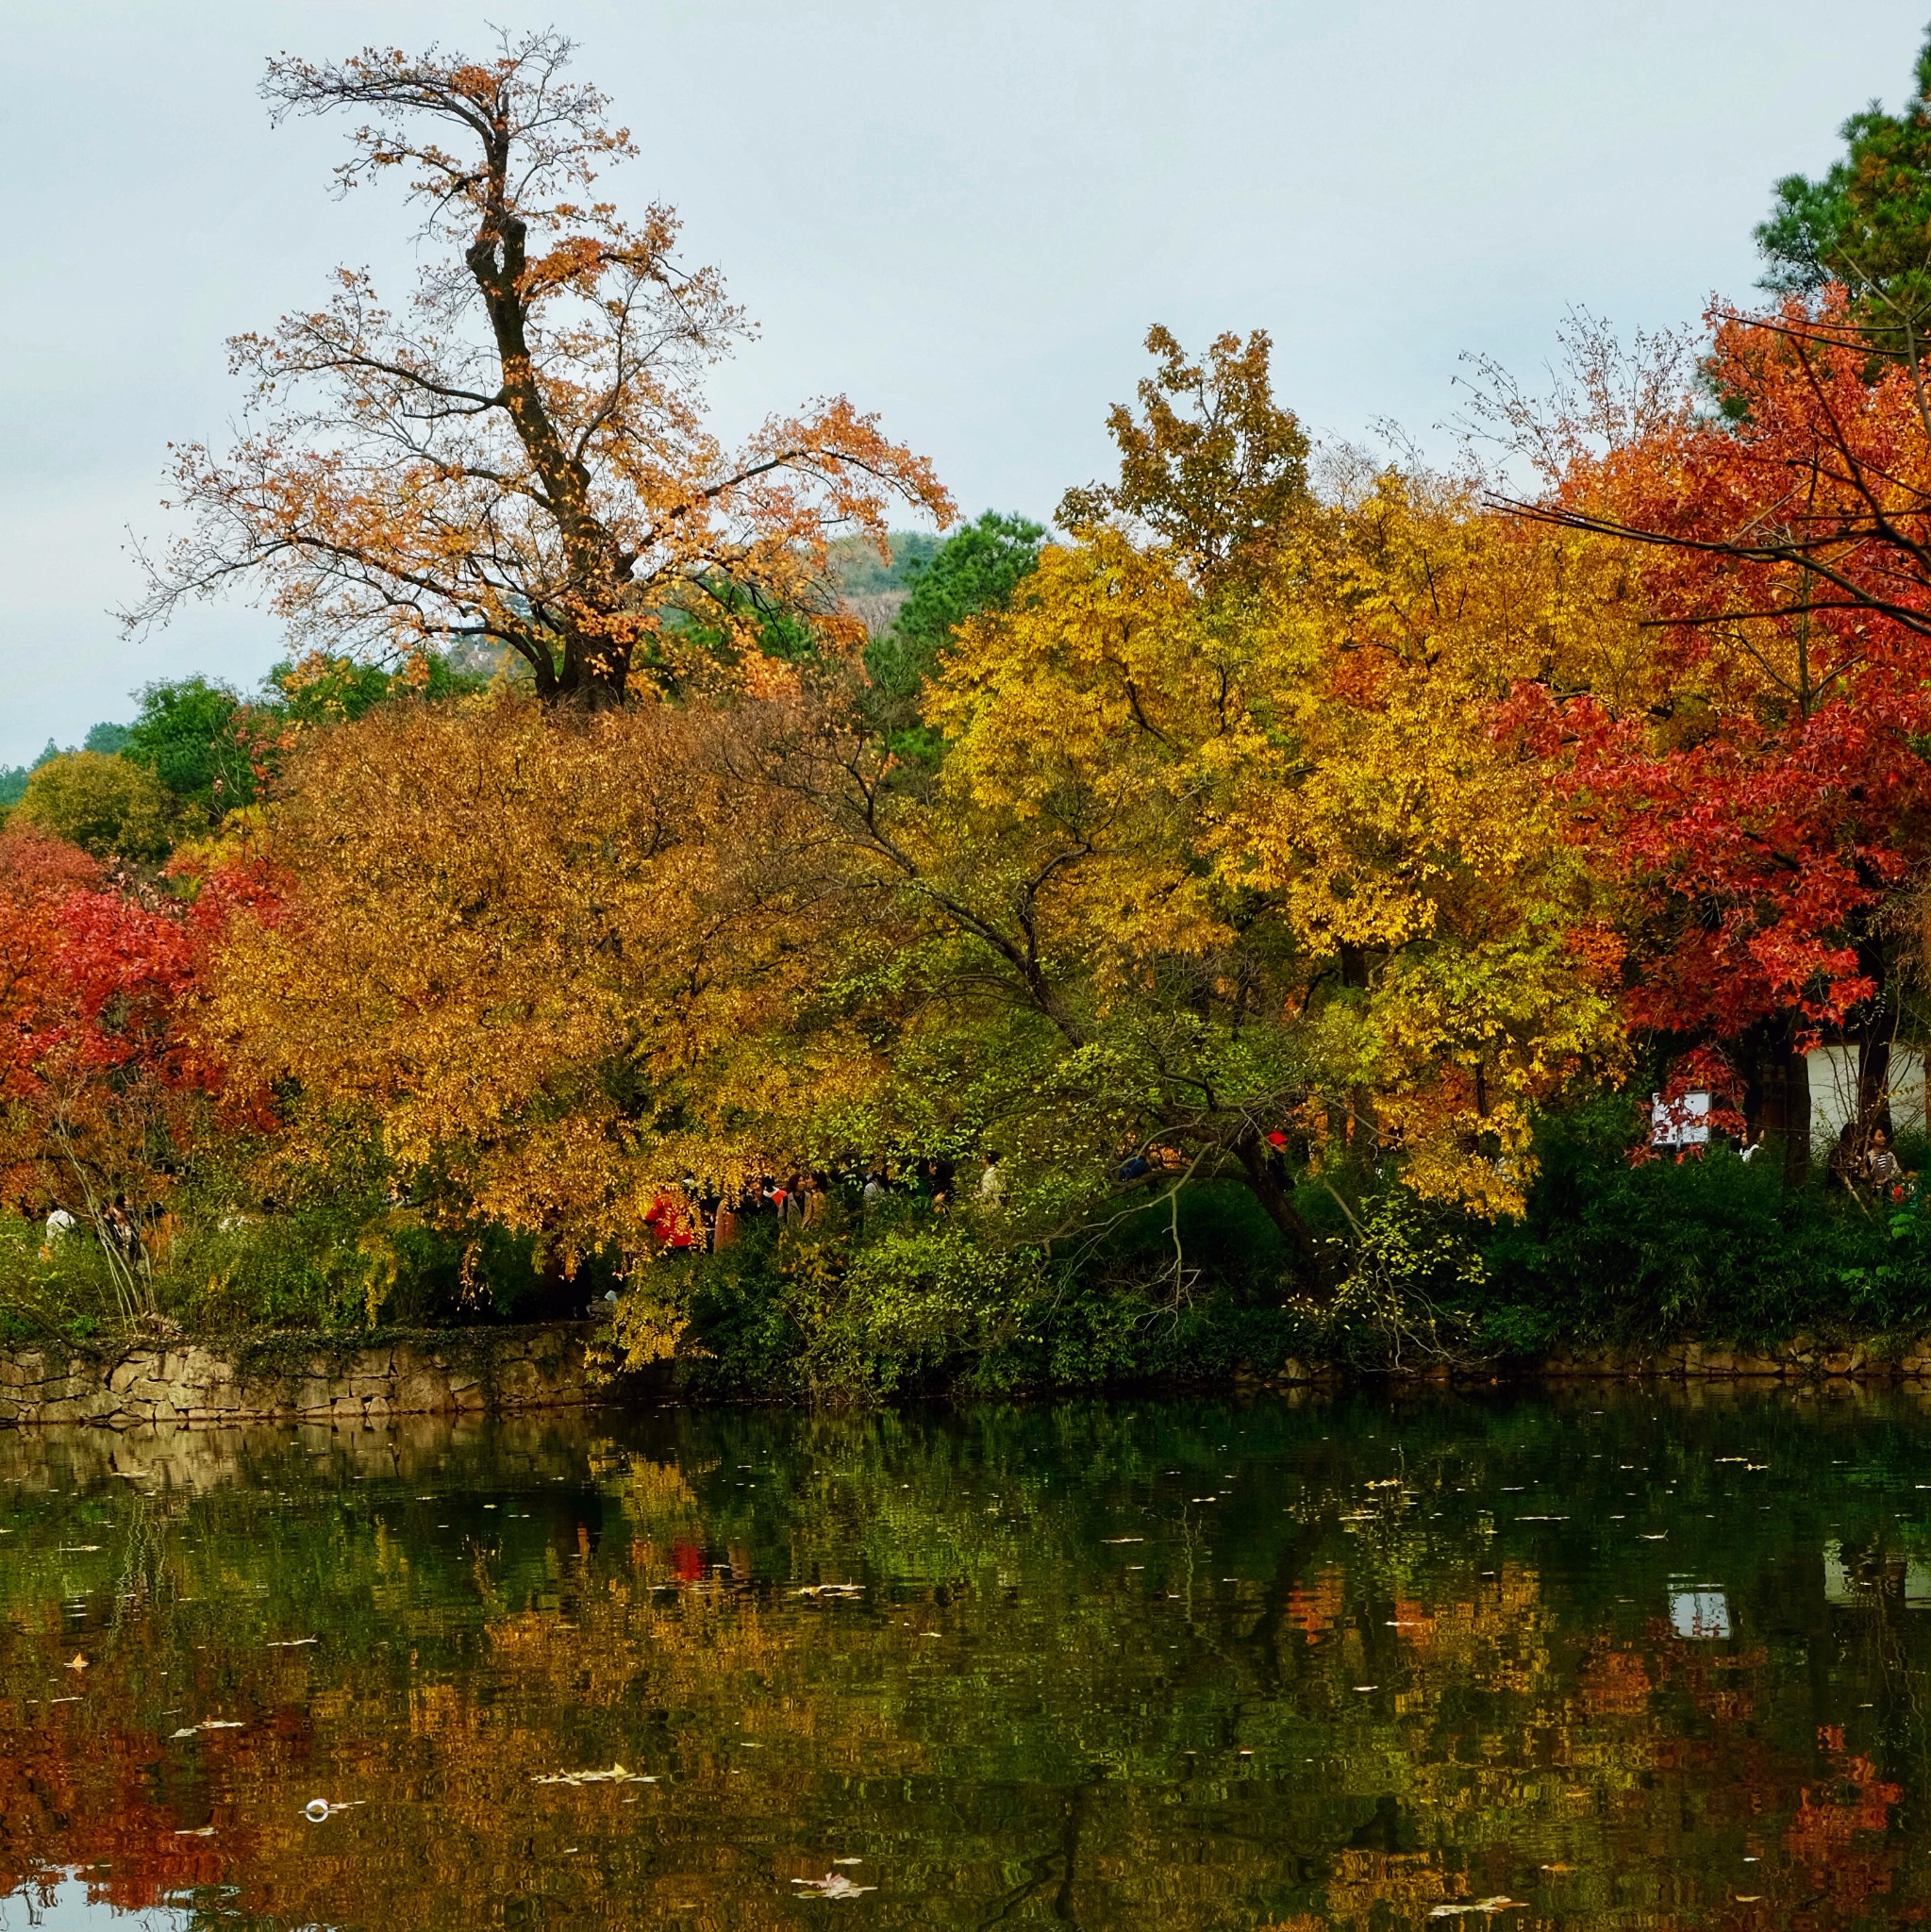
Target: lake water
(1603, 1657)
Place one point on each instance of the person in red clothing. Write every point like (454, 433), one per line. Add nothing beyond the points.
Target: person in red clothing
(669, 1223)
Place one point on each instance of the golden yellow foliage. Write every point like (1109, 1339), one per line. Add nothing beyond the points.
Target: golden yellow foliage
(526, 947)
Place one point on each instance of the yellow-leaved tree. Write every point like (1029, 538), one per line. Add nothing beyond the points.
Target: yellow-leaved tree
(534, 954)
(1221, 868)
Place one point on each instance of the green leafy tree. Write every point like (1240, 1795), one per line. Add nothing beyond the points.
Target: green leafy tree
(103, 804)
(106, 737)
(196, 738)
(1866, 222)
(977, 570)
(323, 689)
(13, 778)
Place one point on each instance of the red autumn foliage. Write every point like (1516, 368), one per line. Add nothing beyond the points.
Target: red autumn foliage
(1759, 789)
(99, 1073)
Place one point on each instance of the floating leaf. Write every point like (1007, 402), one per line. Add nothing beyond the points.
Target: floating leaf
(833, 1884)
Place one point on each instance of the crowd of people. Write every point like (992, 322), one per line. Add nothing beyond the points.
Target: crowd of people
(702, 1217)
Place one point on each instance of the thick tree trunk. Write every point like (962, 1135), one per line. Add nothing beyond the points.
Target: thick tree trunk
(1874, 1081)
(1782, 1082)
(1310, 1268)
(1793, 1080)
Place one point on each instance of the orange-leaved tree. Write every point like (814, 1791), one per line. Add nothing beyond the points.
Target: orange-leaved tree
(538, 954)
(519, 459)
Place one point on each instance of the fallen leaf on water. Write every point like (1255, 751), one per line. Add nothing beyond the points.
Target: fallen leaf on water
(196, 1831)
(291, 1642)
(76, 1662)
(617, 1775)
(833, 1884)
(1124, 1538)
(848, 1861)
(1498, 1904)
(1748, 1898)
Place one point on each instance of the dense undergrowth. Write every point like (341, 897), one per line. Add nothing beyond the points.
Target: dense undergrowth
(896, 1298)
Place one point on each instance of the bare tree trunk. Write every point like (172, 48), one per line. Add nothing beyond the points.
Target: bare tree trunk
(1873, 1046)
(1793, 1079)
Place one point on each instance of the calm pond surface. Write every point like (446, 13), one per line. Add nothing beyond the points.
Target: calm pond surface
(1603, 1657)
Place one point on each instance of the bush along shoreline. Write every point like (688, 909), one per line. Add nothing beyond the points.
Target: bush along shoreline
(1711, 1265)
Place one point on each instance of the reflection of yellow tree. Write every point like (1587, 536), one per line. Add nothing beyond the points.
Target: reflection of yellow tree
(997, 1729)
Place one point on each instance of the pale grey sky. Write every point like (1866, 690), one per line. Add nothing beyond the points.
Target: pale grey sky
(963, 215)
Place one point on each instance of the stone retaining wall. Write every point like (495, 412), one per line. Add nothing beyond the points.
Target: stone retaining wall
(1803, 1358)
(316, 1380)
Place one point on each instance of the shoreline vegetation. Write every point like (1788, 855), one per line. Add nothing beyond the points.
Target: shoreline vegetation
(1262, 919)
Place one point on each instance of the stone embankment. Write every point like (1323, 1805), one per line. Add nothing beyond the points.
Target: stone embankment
(296, 1378)
(1803, 1358)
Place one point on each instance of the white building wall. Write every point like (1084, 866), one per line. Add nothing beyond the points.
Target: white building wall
(1834, 1092)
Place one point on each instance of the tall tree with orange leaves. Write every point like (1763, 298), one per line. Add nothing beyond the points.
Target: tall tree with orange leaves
(519, 458)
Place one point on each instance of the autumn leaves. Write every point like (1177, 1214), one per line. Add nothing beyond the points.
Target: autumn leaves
(1291, 834)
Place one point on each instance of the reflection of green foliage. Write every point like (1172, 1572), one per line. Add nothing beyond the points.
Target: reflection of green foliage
(1118, 1655)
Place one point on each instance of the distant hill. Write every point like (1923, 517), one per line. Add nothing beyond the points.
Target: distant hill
(862, 574)
(871, 590)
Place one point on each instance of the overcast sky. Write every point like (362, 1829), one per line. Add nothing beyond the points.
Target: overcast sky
(963, 215)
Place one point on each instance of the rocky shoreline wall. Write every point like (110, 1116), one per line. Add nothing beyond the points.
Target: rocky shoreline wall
(355, 1384)
(1803, 1358)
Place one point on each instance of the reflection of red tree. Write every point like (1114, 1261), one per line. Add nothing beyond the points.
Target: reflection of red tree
(1614, 1681)
(1824, 1832)
(80, 1794)
(1314, 1609)
(687, 1562)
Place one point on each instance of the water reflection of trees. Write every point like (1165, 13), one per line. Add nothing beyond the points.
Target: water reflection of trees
(1355, 1679)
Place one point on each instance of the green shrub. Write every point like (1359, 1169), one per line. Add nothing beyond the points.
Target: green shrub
(101, 803)
(1714, 1247)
